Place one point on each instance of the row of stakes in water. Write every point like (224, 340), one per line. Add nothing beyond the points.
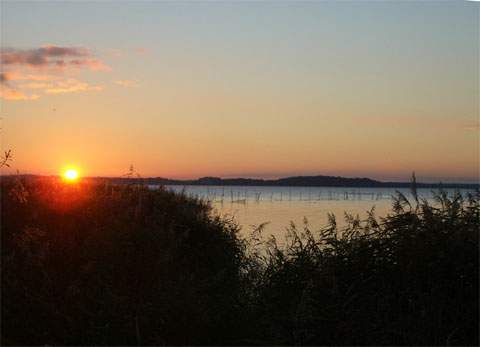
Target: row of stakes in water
(242, 197)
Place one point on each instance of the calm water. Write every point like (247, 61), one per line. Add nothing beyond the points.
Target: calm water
(278, 206)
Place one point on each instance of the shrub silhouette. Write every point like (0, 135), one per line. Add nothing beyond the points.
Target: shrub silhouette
(95, 263)
(102, 264)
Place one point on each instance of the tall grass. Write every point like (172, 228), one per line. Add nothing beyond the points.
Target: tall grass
(94, 263)
(408, 279)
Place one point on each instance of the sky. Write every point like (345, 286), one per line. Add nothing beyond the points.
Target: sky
(242, 89)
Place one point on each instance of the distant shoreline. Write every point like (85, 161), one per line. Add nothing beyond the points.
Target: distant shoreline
(298, 181)
(295, 181)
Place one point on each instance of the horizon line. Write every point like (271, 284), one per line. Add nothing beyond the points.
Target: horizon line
(465, 181)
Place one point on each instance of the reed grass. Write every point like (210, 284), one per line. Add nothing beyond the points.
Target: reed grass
(102, 264)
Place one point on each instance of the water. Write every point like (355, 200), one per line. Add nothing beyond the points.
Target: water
(279, 206)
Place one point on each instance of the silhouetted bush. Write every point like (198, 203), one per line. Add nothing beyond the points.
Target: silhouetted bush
(95, 263)
(102, 264)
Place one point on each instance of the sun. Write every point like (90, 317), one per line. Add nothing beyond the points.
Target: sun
(70, 174)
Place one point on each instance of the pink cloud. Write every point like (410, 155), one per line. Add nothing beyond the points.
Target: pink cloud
(35, 85)
(71, 86)
(61, 86)
(3, 78)
(8, 93)
(51, 57)
(141, 50)
(92, 64)
(41, 57)
(43, 69)
(16, 76)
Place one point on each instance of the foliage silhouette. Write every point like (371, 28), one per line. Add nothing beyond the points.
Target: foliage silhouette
(102, 264)
(96, 263)
(409, 279)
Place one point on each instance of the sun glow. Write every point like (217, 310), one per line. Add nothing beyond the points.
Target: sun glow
(70, 175)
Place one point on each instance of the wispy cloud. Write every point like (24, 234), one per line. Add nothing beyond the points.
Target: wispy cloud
(51, 56)
(423, 121)
(35, 85)
(71, 86)
(62, 86)
(8, 93)
(126, 83)
(141, 50)
(44, 69)
(16, 76)
(3, 78)
(92, 64)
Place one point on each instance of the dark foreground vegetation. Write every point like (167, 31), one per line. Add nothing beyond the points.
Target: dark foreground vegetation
(101, 264)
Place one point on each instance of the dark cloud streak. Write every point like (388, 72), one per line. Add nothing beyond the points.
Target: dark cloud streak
(53, 62)
(41, 57)
(3, 78)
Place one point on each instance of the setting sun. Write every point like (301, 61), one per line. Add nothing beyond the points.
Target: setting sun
(71, 175)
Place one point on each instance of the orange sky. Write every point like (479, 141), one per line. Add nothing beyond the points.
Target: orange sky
(242, 89)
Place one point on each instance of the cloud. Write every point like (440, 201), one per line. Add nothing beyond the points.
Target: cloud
(92, 64)
(3, 78)
(141, 50)
(71, 86)
(51, 56)
(8, 93)
(39, 56)
(126, 83)
(15, 76)
(61, 87)
(44, 69)
(35, 85)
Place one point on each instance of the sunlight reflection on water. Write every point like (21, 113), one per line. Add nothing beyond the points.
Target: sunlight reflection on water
(279, 214)
(279, 206)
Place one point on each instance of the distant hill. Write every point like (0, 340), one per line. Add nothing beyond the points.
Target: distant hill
(296, 181)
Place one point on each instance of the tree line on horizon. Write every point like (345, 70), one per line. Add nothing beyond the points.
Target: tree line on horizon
(294, 181)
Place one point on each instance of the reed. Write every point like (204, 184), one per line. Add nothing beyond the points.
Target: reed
(102, 264)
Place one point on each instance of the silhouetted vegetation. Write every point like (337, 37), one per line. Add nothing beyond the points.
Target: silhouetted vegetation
(299, 181)
(101, 264)
(96, 263)
(6, 158)
(409, 279)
